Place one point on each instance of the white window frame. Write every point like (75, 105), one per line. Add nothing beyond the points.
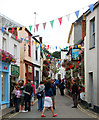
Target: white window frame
(92, 33)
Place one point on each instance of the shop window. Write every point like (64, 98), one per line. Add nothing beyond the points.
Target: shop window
(3, 86)
(92, 33)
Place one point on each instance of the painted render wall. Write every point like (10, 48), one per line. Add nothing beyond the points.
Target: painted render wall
(91, 60)
(98, 56)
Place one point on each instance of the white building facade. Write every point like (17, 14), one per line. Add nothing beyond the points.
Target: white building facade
(9, 72)
(92, 58)
(36, 62)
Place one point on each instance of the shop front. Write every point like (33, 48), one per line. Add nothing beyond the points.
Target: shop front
(14, 77)
(28, 71)
(4, 85)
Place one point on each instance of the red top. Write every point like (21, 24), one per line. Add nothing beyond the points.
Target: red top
(33, 88)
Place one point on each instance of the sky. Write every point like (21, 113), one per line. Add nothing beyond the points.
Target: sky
(22, 11)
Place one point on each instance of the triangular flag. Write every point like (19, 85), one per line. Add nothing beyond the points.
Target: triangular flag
(34, 42)
(66, 47)
(30, 28)
(91, 7)
(37, 27)
(27, 41)
(37, 44)
(12, 30)
(18, 29)
(16, 37)
(23, 28)
(60, 20)
(68, 17)
(52, 23)
(21, 40)
(2, 29)
(56, 47)
(44, 24)
(77, 13)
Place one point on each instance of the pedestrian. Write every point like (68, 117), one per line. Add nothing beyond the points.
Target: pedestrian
(32, 96)
(62, 87)
(75, 94)
(22, 97)
(28, 88)
(41, 95)
(48, 101)
(57, 83)
(17, 94)
(53, 86)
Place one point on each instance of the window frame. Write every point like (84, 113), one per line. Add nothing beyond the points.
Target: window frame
(92, 34)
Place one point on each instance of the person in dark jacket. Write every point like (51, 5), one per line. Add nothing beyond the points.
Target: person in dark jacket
(62, 87)
(74, 93)
(53, 86)
(48, 100)
(28, 88)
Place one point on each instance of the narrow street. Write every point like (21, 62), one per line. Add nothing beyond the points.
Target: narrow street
(63, 109)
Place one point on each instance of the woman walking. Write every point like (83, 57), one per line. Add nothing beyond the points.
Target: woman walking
(48, 101)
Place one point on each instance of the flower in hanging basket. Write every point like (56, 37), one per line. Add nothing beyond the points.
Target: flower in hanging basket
(7, 57)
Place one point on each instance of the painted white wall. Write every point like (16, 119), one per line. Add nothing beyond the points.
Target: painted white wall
(91, 60)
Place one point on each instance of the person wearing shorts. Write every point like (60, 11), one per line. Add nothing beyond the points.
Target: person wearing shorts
(48, 101)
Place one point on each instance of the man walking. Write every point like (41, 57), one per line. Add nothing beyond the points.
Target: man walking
(74, 94)
(28, 88)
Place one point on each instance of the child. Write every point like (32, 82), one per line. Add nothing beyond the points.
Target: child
(18, 94)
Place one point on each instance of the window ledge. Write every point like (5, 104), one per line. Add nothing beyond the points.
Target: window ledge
(91, 48)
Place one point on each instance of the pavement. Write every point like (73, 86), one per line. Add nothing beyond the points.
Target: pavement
(63, 109)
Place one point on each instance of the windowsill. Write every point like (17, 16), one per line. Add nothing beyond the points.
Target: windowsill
(91, 48)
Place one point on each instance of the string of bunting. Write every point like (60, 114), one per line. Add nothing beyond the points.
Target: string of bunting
(39, 44)
(91, 6)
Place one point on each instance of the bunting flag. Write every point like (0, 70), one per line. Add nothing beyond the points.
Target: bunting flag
(21, 40)
(37, 44)
(18, 29)
(56, 47)
(2, 29)
(66, 47)
(68, 17)
(27, 41)
(37, 27)
(76, 46)
(16, 37)
(91, 7)
(52, 22)
(30, 27)
(44, 25)
(60, 20)
(23, 28)
(12, 30)
(77, 14)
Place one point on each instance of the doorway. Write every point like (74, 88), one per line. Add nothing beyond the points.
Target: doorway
(91, 88)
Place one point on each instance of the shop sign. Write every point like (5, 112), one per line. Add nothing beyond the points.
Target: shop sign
(4, 66)
(30, 69)
(15, 70)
